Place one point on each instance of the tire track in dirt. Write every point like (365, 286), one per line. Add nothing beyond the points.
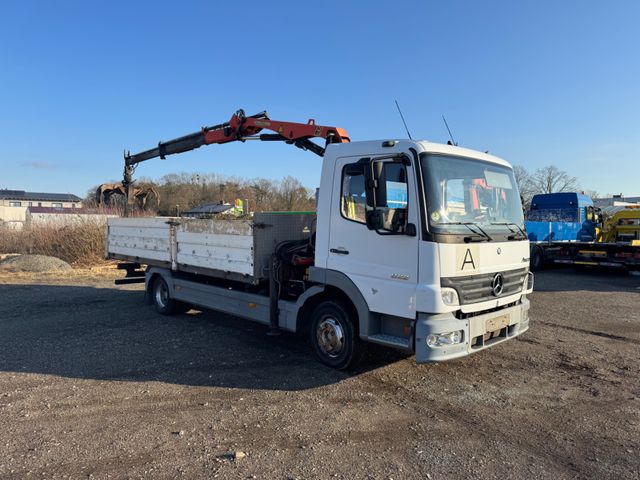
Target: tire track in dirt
(591, 332)
(489, 429)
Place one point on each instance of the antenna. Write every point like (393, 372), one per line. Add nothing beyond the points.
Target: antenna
(449, 130)
(402, 117)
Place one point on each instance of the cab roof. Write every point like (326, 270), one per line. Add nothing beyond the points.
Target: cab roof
(375, 147)
(545, 201)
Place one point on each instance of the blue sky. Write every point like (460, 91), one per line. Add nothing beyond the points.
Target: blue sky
(535, 82)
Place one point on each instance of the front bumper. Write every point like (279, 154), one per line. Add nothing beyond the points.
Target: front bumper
(476, 331)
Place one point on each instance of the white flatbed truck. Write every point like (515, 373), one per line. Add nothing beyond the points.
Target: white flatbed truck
(414, 245)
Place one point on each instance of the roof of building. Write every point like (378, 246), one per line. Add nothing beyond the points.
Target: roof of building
(611, 210)
(38, 196)
(74, 211)
(621, 198)
(209, 208)
(616, 201)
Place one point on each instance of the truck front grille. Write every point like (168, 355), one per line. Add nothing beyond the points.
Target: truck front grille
(478, 288)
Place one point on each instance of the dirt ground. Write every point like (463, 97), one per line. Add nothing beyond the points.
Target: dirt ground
(94, 384)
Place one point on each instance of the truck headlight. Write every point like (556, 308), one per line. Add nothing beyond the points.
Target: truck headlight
(449, 296)
(448, 338)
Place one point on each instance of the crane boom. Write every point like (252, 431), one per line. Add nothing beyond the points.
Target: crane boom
(241, 128)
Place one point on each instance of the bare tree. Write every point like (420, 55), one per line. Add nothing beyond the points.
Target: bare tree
(524, 181)
(191, 189)
(592, 193)
(263, 193)
(551, 179)
(293, 194)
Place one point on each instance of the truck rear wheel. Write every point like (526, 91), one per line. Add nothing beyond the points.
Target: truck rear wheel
(333, 336)
(162, 301)
(536, 262)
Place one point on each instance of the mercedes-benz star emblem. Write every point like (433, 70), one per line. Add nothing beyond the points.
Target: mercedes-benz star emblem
(497, 284)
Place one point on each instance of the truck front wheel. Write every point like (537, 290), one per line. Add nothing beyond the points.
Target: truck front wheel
(333, 335)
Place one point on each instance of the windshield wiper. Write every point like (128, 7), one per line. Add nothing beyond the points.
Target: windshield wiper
(482, 233)
(507, 224)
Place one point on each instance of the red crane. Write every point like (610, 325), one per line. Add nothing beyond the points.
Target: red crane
(239, 128)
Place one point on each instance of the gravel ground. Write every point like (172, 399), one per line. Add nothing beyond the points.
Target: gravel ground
(33, 263)
(94, 384)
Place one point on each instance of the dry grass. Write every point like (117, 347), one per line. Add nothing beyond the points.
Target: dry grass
(81, 243)
(105, 270)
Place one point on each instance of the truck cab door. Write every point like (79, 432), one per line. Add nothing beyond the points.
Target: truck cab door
(382, 264)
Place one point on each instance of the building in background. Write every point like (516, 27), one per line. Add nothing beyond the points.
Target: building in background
(15, 204)
(616, 201)
(20, 198)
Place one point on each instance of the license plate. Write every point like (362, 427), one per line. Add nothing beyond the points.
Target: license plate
(497, 323)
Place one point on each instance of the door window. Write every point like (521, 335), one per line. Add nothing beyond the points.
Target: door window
(353, 200)
(391, 194)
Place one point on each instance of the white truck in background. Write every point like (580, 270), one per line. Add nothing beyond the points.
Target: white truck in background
(414, 245)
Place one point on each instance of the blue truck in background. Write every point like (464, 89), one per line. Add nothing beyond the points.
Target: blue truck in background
(566, 216)
(564, 228)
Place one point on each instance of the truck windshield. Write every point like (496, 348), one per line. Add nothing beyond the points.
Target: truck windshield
(464, 191)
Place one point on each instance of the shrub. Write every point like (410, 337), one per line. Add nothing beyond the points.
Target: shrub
(80, 243)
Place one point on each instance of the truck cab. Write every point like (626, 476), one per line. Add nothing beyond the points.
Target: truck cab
(566, 228)
(564, 216)
(430, 240)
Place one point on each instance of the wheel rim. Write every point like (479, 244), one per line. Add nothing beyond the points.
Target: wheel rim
(162, 293)
(330, 336)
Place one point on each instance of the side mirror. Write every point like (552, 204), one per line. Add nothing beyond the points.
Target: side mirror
(375, 172)
(380, 176)
(375, 182)
(369, 181)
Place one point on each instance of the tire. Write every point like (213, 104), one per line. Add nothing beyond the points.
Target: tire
(333, 335)
(161, 299)
(536, 262)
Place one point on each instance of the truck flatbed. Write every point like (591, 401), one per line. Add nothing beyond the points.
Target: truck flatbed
(590, 254)
(233, 249)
